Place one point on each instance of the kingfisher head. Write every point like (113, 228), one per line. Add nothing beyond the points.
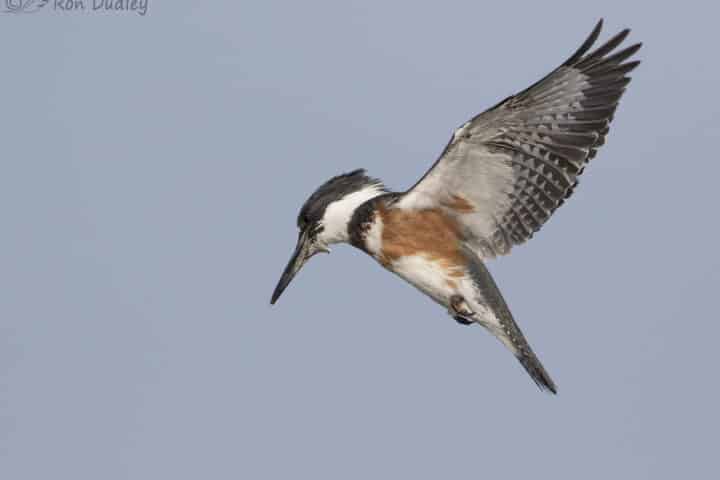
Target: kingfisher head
(324, 218)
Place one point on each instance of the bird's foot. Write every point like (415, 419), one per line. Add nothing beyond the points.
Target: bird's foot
(460, 310)
(463, 321)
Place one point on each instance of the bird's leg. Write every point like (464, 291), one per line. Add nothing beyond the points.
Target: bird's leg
(460, 310)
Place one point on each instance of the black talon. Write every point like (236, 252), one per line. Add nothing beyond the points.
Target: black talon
(463, 321)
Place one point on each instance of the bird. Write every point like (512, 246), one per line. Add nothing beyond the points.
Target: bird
(498, 180)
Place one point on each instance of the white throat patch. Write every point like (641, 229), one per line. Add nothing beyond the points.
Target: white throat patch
(339, 213)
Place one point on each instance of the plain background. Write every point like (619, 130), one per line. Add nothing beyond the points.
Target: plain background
(151, 171)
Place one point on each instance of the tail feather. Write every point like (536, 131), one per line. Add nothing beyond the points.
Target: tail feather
(537, 371)
(508, 332)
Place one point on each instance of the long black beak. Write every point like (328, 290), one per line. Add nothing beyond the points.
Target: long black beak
(296, 262)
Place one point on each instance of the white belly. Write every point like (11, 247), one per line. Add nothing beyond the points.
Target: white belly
(441, 284)
(434, 280)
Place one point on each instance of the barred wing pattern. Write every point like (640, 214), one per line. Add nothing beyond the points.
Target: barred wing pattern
(505, 172)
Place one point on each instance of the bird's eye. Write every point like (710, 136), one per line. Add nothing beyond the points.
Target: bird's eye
(303, 221)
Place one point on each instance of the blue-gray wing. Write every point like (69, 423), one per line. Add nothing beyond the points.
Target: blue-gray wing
(505, 172)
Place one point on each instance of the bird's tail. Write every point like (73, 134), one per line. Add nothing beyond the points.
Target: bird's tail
(508, 331)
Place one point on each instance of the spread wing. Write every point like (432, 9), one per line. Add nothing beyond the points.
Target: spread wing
(505, 171)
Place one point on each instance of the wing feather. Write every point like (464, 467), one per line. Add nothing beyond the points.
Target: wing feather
(517, 162)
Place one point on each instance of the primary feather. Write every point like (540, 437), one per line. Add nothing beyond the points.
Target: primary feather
(513, 165)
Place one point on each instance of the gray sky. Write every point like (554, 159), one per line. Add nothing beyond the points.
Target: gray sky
(152, 168)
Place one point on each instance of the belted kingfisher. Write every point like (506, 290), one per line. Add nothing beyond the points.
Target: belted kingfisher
(498, 180)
